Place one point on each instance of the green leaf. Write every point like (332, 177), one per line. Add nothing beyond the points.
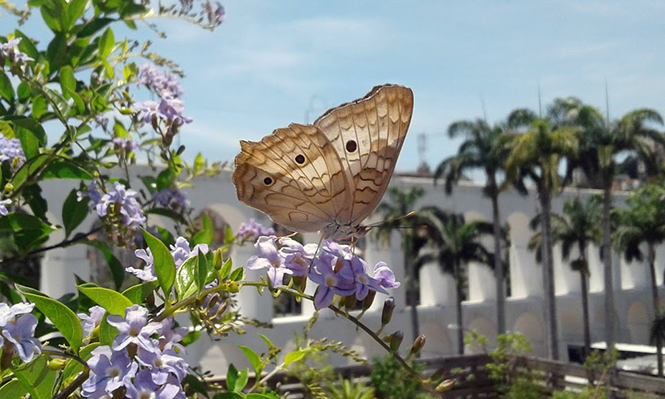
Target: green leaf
(163, 262)
(187, 277)
(74, 212)
(175, 216)
(260, 396)
(117, 269)
(38, 205)
(241, 382)
(114, 302)
(65, 169)
(236, 275)
(150, 183)
(67, 81)
(27, 45)
(294, 357)
(39, 107)
(226, 268)
(199, 164)
(56, 52)
(23, 91)
(32, 135)
(73, 367)
(139, 292)
(165, 179)
(207, 234)
(27, 231)
(6, 130)
(253, 358)
(106, 332)
(94, 25)
(13, 390)
(75, 11)
(196, 384)
(231, 378)
(51, 13)
(6, 89)
(37, 379)
(106, 43)
(229, 395)
(63, 318)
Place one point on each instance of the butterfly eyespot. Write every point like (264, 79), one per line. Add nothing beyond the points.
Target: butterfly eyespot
(268, 181)
(300, 159)
(351, 146)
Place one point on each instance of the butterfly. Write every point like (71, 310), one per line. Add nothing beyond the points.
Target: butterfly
(330, 175)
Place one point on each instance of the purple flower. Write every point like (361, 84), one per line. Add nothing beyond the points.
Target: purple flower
(161, 83)
(90, 322)
(171, 336)
(297, 257)
(109, 370)
(181, 252)
(385, 276)
(269, 257)
(162, 365)
(252, 230)
(330, 283)
(19, 333)
(8, 314)
(130, 209)
(11, 52)
(124, 146)
(11, 151)
(148, 271)
(91, 192)
(150, 111)
(145, 387)
(134, 329)
(171, 198)
(3, 207)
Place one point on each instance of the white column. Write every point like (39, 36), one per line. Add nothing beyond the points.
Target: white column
(252, 304)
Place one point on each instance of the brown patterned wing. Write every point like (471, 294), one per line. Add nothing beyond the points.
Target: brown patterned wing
(368, 135)
(294, 176)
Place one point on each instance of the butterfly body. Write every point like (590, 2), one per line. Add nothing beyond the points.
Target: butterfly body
(328, 176)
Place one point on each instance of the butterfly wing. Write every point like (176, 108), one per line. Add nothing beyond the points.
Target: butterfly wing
(294, 176)
(368, 134)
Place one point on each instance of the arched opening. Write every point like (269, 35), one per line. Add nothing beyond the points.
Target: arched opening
(639, 323)
(532, 328)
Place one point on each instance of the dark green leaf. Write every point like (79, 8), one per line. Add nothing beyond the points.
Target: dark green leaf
(231, 378)
(13, 390)
(241, 382)
(33, 196)
(165, 179)
(113, 301)
(56, 52)
(6, 89)
(26, 45)
(23, 91)
(36, 378)
(229, 395)
(261, 396)
(74, 211)
(94, 25)
(139, 292)
(163, 262)
(65, 169)
(175, 216)
(150, 183)
(207, 234)
(190, 338)
(195, 384)
(74, 12)
(31, 134)
(27, 231)
(60, 315)
(73, 367)
(106, 332)
(39, 107)
(51, 14)
(187, 277)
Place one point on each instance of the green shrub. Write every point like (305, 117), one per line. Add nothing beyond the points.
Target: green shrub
(391, 381)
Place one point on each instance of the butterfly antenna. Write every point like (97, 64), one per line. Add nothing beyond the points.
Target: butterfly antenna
(318, 248)
(408, 215)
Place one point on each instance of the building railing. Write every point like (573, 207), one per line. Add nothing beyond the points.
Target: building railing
(473, 381)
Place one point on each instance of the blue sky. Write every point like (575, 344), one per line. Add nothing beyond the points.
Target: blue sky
(274, 62)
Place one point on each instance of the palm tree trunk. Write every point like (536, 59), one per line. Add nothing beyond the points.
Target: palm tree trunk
(610, 323)
(460, 320)
(548, 274)
(585, 313)
(656, 304)
(413, 297)
(499, 272)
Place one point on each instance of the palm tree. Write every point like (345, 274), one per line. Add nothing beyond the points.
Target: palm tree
(393, 212)
(577, 227)
(643, 223)
(599, 146)
(456, 243)
(482, 149)
(538, 153)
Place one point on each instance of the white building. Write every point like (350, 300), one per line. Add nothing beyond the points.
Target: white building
(524, 306)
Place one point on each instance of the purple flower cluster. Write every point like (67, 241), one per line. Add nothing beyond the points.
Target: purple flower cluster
(118, 201)
(9, 51)
(336, 270)
(12, 152)
(252, 230)
(124, 146)
(90, 322)
(171, 107)
(144, 359)
(180, 253)
(18, 329)
(215, 13)
(3, 207)
(171, 198)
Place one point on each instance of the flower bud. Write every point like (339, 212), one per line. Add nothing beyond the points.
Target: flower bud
(57, 364)
(181, 149)
(396, 340)
(417, 346)
(349, 302)
(369, 300)
(387, 313)
(218, 259)
(446, 385)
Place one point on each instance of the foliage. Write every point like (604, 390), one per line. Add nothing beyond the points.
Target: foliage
(346, 389)
(391, 382)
